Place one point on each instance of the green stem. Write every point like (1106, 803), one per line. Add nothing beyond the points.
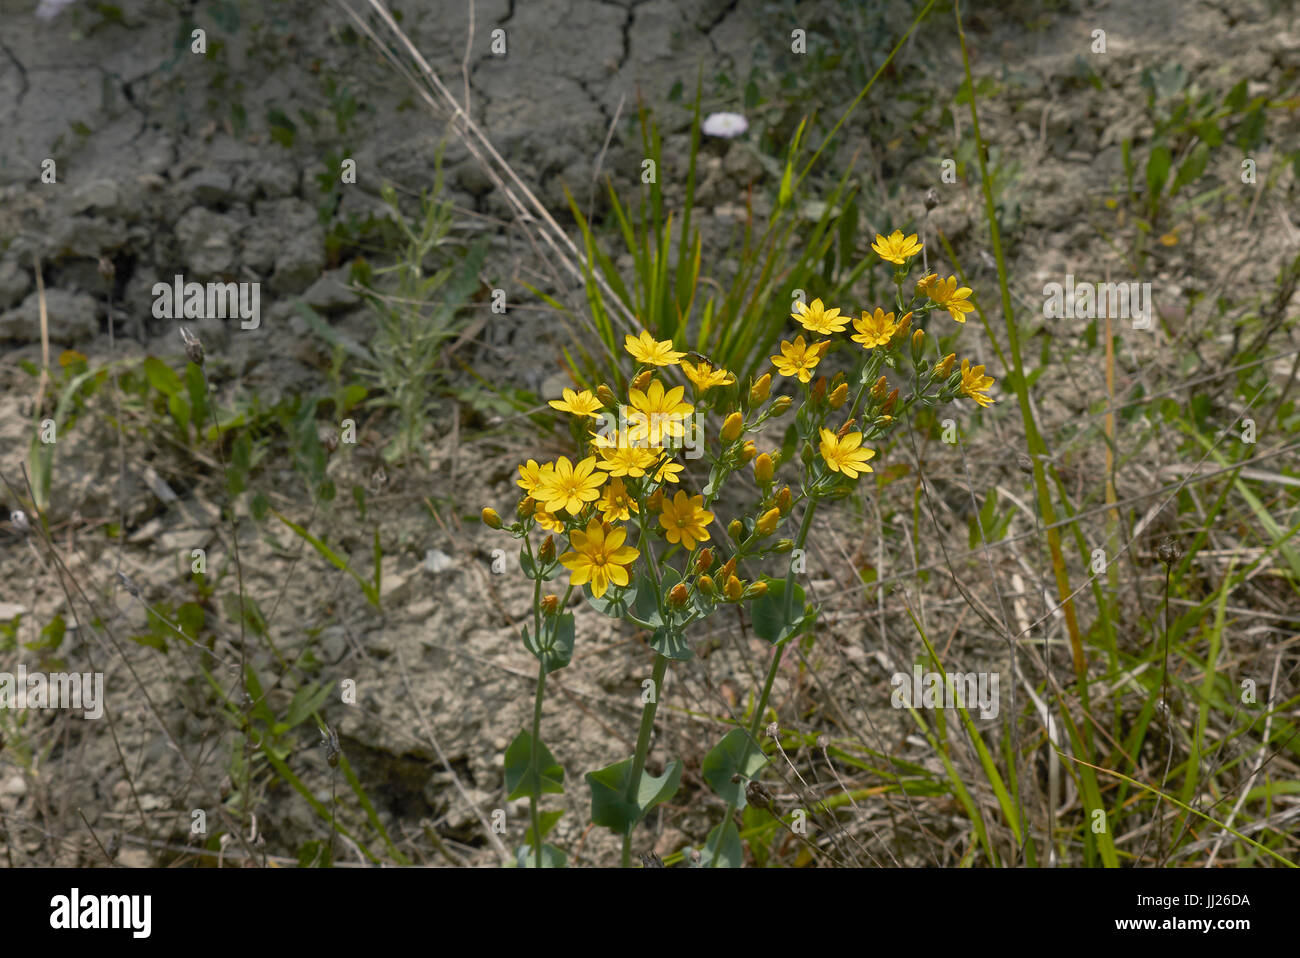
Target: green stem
(761, 707)
(536, 763)
(643, 748)
(537, 721)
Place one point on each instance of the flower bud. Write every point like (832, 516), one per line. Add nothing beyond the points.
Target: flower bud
(918, 344)
(704, 561)
(736, 529)
(768, 521)
(839, 396)
(656, 500)
(732, 426)
(490, 518)
(763, 468)
(845, 429)
(755, 590)
(705, 584)
(783, 546)
(759, 391)
(819, 389)
(784, 500)
(890, 403)
(546, 554)
(748, 451)
(678, 595)
(550, 604)
(904, 325)
(944, 366)
(733, 590)
(527, 505)
(878, 390)
(643, 380)
(728, 568)
(781, 404)
(606, 395)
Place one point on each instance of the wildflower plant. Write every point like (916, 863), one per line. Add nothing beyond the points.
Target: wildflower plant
(641, 542)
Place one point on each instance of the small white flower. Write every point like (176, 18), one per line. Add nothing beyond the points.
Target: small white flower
(49, 9)
(724, 124)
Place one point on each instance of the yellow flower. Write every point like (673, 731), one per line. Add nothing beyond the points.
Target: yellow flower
(547, 521)
(975, 384)
(668, 471)
(569, 487)
(599, 557)
(874, 329)
(627, 460)
(946, 293)
(924, 283)
(657, 413)
(617, 503)
(818, 319)
(531, 474)
(731, 427)
(684, 519)
(646, 349)
(896, 249)
(797, 359)
(845, 455)
(706, 377)
(578, 403)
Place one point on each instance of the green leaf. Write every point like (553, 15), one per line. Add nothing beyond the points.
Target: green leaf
(162, 377)
(1157, 171)
(1192, 168)
(734, 755)
(51, 636)
(768, 612)
(525, 857)
(644, 607)
(546, 820)
(724, 844)
(252, 616)
(609, 805)
(671, 644)
(558, 650)
(306, 700)
(180, 411)
(190, 618)
(524, 781)
(616, 603)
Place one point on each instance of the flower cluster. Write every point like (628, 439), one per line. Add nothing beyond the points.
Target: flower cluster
(640, 539)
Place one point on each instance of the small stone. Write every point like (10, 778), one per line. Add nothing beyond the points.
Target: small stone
(330, 293)
(14, 283)
(71, 318)
(207, 186)
(437, 561)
